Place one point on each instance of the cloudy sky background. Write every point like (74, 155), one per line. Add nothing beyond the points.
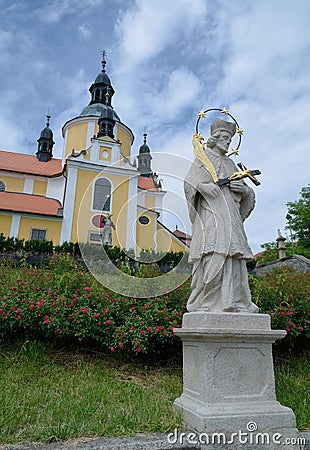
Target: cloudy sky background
(168, 59)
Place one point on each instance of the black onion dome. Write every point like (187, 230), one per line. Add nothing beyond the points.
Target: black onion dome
(102, 77)
(144, 147)
(108, 113)
(101, 96)
(46, 133)
(97, 109)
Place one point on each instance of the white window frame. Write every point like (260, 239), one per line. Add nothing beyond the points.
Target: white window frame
(93, 195)
(38, 230)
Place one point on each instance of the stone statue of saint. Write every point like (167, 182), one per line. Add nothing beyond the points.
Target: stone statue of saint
(219, 249)
(107, 231)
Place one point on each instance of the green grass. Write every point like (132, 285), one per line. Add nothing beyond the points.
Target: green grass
(48, 395)
(293, 386)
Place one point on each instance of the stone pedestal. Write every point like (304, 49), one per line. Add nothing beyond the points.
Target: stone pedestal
(228, 375)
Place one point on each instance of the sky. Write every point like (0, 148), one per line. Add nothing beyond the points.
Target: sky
(167, 60)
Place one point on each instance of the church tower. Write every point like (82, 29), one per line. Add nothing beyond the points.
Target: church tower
(106, 121)
(144, 159)
(101, 181)
(45, 143)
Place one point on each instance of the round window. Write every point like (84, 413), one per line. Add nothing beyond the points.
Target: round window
(98, 221)
(144, 220)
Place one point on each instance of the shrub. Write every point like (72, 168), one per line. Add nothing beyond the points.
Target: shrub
(64, 303)
(285, 295)
(71, 305)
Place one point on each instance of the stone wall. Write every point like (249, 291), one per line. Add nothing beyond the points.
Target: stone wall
(296, 262)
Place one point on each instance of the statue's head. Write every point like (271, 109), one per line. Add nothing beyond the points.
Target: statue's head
(223, 125)
(221, 135)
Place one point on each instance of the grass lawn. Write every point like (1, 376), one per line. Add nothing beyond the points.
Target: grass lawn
(48, 395)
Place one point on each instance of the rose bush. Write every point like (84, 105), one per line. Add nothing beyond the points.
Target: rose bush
(72, 305)
(285, 295)
(64, 303)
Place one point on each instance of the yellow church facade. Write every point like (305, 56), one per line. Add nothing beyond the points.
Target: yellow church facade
(94, 184)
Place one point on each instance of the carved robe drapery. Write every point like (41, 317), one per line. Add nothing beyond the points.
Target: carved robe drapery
(219, 248)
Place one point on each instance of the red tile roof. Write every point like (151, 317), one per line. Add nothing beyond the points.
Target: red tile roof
(28, 203)
(22, 163)
(146, 183)
(181, 234)
(185, 238)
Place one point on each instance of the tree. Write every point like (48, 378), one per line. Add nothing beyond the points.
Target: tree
(299, 217)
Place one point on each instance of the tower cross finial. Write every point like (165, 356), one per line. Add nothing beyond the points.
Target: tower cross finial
(144, 135)
(103, 62)
(48, 116)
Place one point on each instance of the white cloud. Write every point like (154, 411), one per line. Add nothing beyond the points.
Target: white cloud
(84, 31)
(154, 25)
(179, 92)
(12, 137)
(54, 10)
(5, 42)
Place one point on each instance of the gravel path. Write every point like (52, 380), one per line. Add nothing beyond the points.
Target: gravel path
(158, 441)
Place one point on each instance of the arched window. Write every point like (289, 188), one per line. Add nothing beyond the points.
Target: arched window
(102, 195)
(97, 94)
(2, 186)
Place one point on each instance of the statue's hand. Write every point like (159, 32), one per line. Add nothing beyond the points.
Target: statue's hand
(209, 189)
(237, 187)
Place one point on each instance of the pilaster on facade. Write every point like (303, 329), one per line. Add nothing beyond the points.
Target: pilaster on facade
(15, 225)
(132, 214)
(69, 203)
(28, 185)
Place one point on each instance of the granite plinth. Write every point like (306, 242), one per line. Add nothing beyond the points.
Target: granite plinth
(228, 376)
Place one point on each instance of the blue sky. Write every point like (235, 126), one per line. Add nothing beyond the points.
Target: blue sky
(168, 59)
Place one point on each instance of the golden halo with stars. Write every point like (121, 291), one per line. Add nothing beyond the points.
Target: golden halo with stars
(202, 114)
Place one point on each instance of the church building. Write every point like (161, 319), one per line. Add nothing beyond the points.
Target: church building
(70, 199)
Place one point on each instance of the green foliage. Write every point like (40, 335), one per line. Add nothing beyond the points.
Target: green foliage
(63, 302)
(38, 253)
(66, 303)
(36, 246)
(269, 254)
(10, 243)
(300, 217)
(285, 295)
(69, 247)
(299, 250)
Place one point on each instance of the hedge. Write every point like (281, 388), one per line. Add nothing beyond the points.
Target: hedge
(63, 303)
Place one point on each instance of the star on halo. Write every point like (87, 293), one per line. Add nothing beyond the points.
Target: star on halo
(224, 111)
(234, 152)
(201, 114)
(240, 131)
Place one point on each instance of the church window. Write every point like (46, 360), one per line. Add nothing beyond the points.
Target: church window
(2, 186)
(102, 195)
(38, 234)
